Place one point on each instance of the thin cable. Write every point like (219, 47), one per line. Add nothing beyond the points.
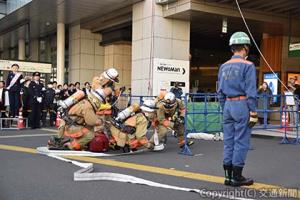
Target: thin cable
(265, 60)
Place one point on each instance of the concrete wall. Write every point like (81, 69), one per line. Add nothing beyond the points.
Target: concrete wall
(86, 56)
(119, 57)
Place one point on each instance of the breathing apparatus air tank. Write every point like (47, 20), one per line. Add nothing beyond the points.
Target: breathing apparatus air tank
(73, 99)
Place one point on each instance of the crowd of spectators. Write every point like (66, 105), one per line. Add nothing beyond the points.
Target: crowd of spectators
(21, 97)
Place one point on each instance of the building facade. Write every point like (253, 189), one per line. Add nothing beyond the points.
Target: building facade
(152, 43)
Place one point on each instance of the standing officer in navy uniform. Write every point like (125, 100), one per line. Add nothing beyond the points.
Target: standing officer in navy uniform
(36, 90)
(237, 96)
(14, 87)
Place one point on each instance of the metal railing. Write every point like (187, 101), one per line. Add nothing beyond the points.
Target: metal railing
(204, 114)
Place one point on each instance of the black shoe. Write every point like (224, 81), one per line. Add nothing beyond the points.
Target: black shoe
(57, 143)
(228, 174)
(237, 178)
(126, 148)
(189, 143)
(58, 148)
(114, 146)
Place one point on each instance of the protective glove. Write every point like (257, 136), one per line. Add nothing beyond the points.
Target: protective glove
(129, 129)
(252, 119)
(39, 99)
(181, 119)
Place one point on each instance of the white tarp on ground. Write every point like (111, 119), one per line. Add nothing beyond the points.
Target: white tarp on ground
(206, 136)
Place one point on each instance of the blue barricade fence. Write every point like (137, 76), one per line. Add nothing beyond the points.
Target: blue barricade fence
(204, 114)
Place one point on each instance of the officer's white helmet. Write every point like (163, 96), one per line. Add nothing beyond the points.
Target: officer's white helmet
(148, 106)
(112, 74)
(169, 100)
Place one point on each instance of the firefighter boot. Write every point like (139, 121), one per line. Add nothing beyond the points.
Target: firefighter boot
(238, 179)
(228, 174)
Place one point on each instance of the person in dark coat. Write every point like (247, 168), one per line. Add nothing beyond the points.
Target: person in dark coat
(64, 93)
(77, 86)
(36, 97)
(26, 99)
(263, 102)
(2, 96)
(72, 89)
(14, 87)
(49, 105)
(176, 90)
(2, 101)
(87, 88)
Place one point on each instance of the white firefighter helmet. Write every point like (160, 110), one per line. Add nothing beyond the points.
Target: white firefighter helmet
(112, 74)
(148, 106)
(169, 100)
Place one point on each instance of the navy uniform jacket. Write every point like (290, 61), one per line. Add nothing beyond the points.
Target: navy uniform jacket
(49, 97)
(237, 77)
(2, 103)
(35, 90)
(25, 97)
(17, 86)
(177, 92)
(297, 91)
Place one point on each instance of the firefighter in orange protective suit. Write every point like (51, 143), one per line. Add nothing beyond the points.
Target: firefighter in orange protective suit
(170, 116)
(79, 114)
(130, 126)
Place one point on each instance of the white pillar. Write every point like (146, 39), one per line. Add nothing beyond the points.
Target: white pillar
(60, 53)
(21, 45)
(158, 41)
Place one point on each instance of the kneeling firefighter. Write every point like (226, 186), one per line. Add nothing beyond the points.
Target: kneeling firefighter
(79, 121)
(130, 127)
(170, 116)
(79, 117)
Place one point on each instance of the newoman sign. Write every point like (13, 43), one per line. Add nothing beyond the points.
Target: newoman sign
(26, 66)
(167, 71)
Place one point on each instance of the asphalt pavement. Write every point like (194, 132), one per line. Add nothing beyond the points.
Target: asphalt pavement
(29, 176)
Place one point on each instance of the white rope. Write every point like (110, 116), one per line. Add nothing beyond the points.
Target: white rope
(263, 57)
